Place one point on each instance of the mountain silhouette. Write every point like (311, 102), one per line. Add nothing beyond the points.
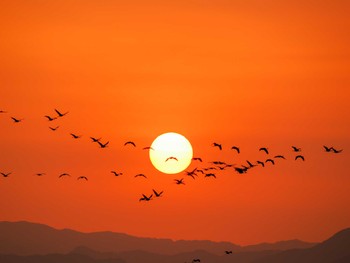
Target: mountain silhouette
(23, 242)
(55, 258)
(334, 250)
(24, 238)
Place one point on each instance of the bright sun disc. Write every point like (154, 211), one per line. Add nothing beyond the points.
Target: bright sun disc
(171, 153)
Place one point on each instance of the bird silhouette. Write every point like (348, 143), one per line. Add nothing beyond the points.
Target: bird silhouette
(210, 175)
(191, 173)
(116, 174)
(299, 157)
(75, 136)
(103, 145)
(64, 174)
(40, 174)
(261, 163)
(336, 151)
(250, 164)
(131, 143)
(197, 159)
(95, 139)
(200, 171)
(228, 252)
(140, 175)
(61, 114)
(5, 174)
(280, 157)
(146, 198)
(49, 118)
(218, 163)
(271, 161)
(54, 128)
(157, 194)
(327, 149)
(147, 148)
(264, 149)
(296, 149)
(179, 181)
(236, 148)
(171, 158)
(241, 170)
(209, 168)
(15, 120)
(196, 260)
(82, 177)
(217, 145)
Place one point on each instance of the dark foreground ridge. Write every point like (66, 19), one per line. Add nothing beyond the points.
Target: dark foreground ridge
(23, 242)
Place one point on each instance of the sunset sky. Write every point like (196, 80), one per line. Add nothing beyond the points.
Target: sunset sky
(246, 73)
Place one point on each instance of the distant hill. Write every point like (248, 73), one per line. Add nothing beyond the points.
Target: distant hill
(54, 258)
(24, 238)
(334, 250)
(23, 242)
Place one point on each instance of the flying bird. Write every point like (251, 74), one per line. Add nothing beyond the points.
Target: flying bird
(264, 149)
(64, 174)
(49, 118)
(131, 143)
(210, 175)
(218, 163)
(235, 148)
(54, 128)
(280, 157)
(171, 158)
(217, 145)
(261, 163)
(296, 149)
(196, 260)
(15, 120)
(179, 181)
(271, 161)
(146, 198)
(116, 174)
(103, 145)
(141, 175)
(61, 114)
(228, 252)
(95, 139)
(40, 174)
(82, 177)
(336, 151)
(327, 149)
(241, 170)
(197, 159)
(5, 174)
(157, 194)
(147, 148)
(75, 136)
(193, 172)
(299, 157)
(250, 164)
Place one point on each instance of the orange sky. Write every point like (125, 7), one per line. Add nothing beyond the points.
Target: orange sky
(246, 73)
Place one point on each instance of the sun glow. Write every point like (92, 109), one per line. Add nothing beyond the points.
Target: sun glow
(171, 153)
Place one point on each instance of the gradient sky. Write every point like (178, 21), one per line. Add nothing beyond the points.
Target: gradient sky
(245, 73)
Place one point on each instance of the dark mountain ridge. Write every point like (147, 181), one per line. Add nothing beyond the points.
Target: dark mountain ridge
(24, 238)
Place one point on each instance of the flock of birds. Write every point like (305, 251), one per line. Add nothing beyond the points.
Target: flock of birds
(207, 171)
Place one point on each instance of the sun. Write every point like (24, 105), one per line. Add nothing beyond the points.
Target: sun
(171, 153)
